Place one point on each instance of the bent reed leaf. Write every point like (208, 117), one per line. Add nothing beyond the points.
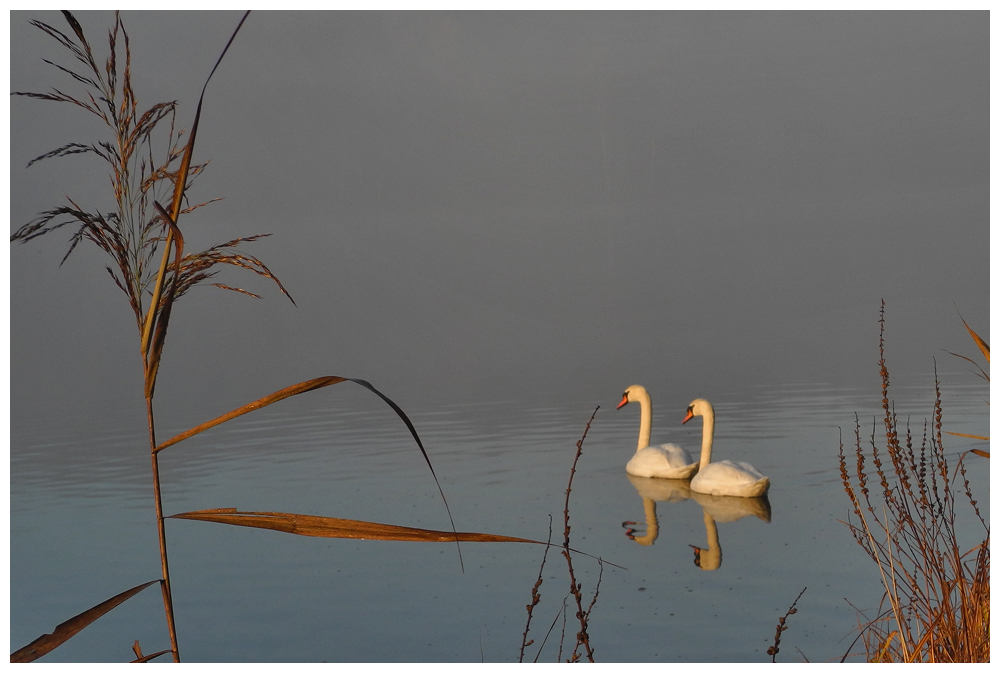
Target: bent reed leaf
(50, 641)
(322, 526)
(304, 387)
(296, 389)
(982, 373)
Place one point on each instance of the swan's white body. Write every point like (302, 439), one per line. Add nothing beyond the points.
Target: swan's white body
(667, 461)
(724, 477)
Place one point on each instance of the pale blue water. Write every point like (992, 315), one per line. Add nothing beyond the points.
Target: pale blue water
(82, 529)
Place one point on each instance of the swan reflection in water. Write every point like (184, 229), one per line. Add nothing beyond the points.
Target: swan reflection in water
(652, 490)
(715, 509)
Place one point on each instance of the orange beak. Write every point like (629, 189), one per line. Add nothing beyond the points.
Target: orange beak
(623, 402)
(687, 418)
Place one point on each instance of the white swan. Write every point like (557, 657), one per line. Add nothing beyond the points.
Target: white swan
(668, 461)
(724, 477)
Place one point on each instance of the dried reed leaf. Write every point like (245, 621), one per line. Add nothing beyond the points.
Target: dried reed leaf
(50, 641)
(322, 526)
(304, 387)
(982, 373)
(983, 346)
(980, 452)
(962, 434)
(985, 349)
(163, 317)
(296, 389)
(179, 187)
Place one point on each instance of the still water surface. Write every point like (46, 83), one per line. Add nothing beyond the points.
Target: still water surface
(83, 529)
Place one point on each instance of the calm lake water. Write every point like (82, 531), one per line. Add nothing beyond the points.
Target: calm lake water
(82, 529)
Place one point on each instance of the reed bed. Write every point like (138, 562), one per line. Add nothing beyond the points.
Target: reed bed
(936, 601)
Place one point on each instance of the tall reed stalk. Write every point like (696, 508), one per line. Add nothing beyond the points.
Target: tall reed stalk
(133, 232)
(936, 605)
(137, 227)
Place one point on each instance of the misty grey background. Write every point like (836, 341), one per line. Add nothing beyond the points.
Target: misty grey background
(526, 205)
(483, 207)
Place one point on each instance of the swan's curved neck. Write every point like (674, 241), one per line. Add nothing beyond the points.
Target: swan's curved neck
(707, 433)
(645, 419)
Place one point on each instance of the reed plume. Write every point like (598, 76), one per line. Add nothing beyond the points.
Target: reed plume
(148, 159)
(134, 231)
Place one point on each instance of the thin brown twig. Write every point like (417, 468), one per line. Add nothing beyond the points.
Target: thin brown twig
(582, 636)
(535, 596)
(773, 650)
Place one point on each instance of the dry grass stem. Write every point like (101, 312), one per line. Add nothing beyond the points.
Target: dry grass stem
(935, 606)
(583, 615)
(535, 598)
(582, 636)
(773, 650)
